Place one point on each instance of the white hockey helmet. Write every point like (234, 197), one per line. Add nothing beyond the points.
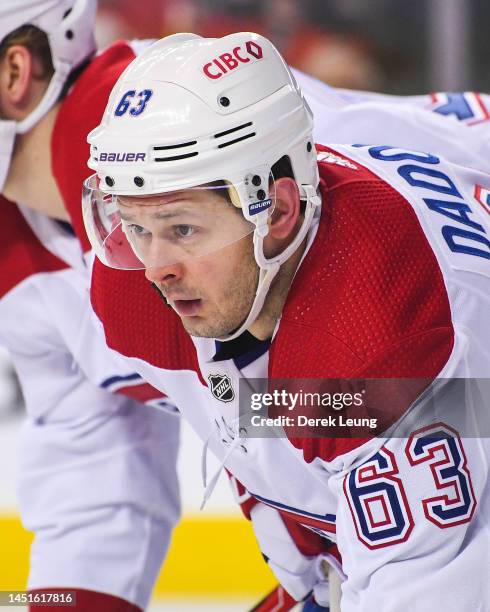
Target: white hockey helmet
(69, 26)
(191, 111)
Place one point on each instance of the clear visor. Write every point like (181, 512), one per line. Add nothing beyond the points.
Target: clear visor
(143, 232)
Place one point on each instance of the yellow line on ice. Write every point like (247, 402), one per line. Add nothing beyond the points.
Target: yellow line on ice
(210, 556)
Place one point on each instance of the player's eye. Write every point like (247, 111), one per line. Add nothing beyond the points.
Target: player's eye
(137, 230)
(184, 231)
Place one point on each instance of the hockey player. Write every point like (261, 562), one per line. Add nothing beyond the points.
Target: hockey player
(47, 353)
(279, 262)
(97, 470)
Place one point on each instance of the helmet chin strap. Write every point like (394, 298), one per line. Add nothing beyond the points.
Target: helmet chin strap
(49, 99)
(270, 267)
(10, 129)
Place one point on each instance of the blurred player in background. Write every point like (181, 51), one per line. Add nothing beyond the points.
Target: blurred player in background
(97, 485)
(280, 261)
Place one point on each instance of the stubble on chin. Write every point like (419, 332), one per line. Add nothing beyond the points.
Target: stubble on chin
(231, 309)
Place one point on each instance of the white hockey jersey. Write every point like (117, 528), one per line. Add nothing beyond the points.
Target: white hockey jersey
(93, 459)
(395, 285)
(456, 125)
(64, 380)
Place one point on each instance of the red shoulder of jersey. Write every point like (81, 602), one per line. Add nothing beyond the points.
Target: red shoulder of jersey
(136, 321)
(22, 252)
(369, 300)
(80, 112)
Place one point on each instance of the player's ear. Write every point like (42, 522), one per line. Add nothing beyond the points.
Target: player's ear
(16, 76)
(284, 219)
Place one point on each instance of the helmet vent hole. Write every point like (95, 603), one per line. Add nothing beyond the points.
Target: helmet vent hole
(233, 131)
(172, 148)
(109, 181)
(66, 13)
(232, 142)
(69, 34)
(175, 157)
(224, 101)
(175, 146)
(139, 181)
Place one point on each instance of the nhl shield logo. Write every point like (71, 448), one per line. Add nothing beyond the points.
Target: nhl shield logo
(221, 387)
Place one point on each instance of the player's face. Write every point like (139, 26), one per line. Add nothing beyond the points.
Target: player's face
(198, 250)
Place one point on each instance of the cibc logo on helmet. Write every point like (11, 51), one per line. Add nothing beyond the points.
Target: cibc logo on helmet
(226, 62)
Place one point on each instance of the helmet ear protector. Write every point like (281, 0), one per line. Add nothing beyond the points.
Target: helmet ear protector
(189, 112)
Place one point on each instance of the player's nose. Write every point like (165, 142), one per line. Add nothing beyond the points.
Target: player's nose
(165, 274)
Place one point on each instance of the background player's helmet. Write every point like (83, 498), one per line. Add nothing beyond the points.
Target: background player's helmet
(192, 111)
(69, 26)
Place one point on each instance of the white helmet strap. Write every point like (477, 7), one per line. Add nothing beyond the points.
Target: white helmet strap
(270, 267)
(51, 96)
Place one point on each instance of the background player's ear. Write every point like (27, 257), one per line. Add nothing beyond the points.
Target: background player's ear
(15, 77)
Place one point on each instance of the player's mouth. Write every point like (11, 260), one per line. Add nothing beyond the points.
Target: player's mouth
(187, 308)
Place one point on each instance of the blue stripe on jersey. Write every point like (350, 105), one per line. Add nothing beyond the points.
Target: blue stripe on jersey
(118, 379)
(330, 518)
